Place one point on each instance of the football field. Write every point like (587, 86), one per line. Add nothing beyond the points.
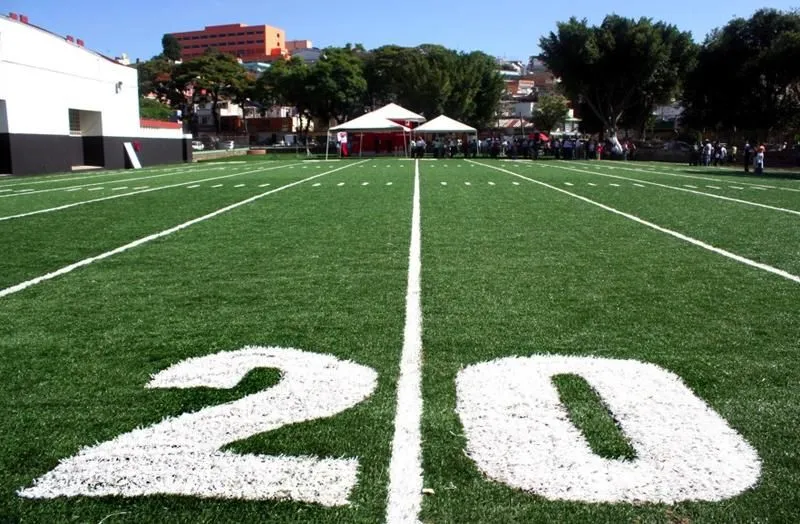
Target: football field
(393, 340)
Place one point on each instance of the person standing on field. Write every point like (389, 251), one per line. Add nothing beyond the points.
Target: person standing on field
(748, 156)
(758, 163)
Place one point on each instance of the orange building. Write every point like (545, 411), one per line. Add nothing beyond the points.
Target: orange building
(251, 43)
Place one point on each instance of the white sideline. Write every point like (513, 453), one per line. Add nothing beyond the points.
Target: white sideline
(79, 186)
(694, 241)
(696, 177)
(120, 195)
(405, 469)
(86, 261)
(57, 178)
(685, 190)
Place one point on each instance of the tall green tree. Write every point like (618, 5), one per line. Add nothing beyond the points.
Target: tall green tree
(289, 83)
(242, 93)
(171, 48)
(213, 73)
(433, 80)
(153, 109)
(156, 77)
(747, 75)
(550, 111)
(337, 84)
(487, 89)
(619, 65)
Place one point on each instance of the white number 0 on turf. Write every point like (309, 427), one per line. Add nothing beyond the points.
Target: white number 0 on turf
(520, 434)
(181, 455)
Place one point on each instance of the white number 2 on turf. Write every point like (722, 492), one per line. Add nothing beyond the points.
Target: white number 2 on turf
(181, 455)
(519, 433)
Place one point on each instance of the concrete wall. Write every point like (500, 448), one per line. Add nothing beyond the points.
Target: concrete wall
(42, 77)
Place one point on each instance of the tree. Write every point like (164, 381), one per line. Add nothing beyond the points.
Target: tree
(288, 83)
(618, 66)
(434, 80)
(242, 93)
(155, 77)
(211, 76)
(155, 110)
(337, 84)
(171, 47)
(746, 75)
(550, 111)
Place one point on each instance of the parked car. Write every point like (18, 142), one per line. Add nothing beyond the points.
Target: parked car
(225, 144)
(197, 145)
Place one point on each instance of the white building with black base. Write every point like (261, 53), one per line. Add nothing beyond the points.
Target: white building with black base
(64, 107)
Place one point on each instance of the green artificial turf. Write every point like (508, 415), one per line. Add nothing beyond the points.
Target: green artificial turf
(507, 269)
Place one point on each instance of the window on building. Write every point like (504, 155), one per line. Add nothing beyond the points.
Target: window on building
(74, 122)
(250, 42)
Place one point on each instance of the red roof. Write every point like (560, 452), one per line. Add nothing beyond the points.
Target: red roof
(159, 124)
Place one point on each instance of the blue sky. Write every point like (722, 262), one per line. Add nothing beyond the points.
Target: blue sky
(507, 29)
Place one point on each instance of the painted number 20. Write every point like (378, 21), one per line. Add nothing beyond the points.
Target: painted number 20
(518, 433)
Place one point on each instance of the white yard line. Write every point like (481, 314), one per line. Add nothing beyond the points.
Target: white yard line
(696, 177)
(405, 469)
(685, 238)
(86, 261)
(56, 178)
(51, 189)
(142, 189)
(674, 188)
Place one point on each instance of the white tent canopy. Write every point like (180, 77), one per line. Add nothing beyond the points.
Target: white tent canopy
(370, 123)
(444, 124)
(395, 112)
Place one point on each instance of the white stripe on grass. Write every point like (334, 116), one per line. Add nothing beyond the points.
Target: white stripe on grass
(674, 188)
(685, 238)
(48, 190)
(136, 191)
(405, 469)
(86, 261)
(697, 177)
(57, 178)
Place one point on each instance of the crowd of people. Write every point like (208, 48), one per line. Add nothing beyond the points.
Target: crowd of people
(533, 147)
(718, 154)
